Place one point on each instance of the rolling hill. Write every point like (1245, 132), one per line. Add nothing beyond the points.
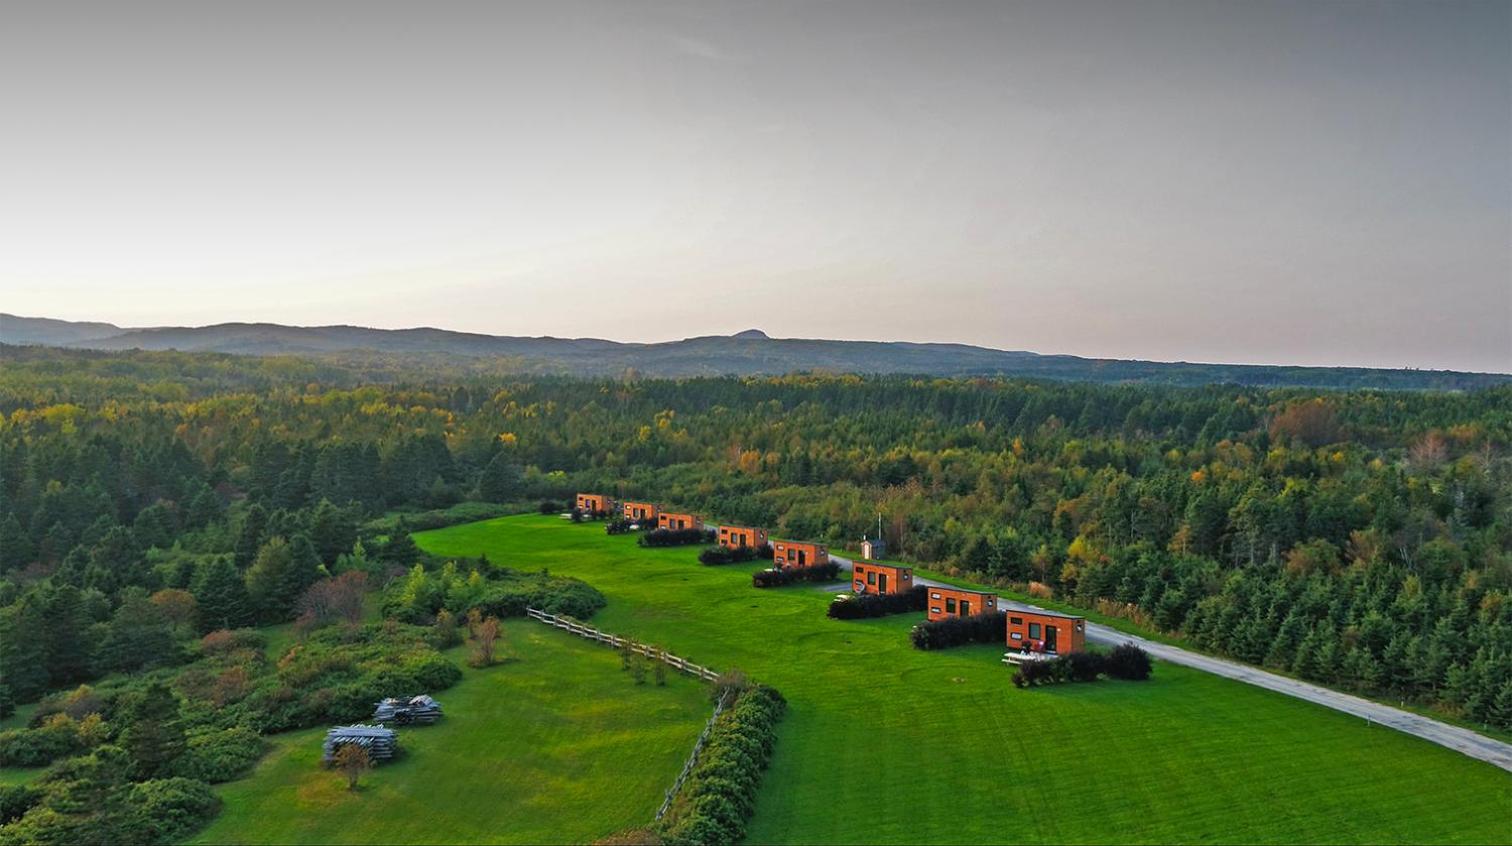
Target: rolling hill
(750, 352)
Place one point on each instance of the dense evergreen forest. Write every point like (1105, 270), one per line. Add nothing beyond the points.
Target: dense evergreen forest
(1359, 539)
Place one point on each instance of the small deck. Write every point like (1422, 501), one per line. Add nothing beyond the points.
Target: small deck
(1015, 657)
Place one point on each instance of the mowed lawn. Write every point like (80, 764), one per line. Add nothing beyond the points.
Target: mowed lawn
(556, 746)
(886, 744)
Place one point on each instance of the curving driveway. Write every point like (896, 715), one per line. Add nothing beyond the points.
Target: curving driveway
(1461, 740)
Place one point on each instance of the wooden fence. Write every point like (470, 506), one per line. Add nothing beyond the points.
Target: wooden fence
(673, 661)
(652, 652)
(692, 759)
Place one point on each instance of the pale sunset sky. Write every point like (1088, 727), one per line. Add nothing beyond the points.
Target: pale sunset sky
(1267, 182)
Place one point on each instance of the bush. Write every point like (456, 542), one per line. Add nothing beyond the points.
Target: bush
(715, 555)
(224, 641)
(551, 506)
(617, 527)
(676, 537)
(958, 631)
(720, 793)
(1128, 662)
(34, 747)
(16, 800)
(165, 810)
(864, 605)
(779, 578)
(215, 756)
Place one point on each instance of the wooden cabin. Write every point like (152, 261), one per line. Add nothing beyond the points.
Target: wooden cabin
(597, 505)
(1045, 631)
(641, 512)
(675, 521)
(959, 602)
(741, 537)
(786, 553)
(871, 577)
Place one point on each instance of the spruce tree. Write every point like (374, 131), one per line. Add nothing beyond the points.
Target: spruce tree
(500, 481)
(222, 597)
(154, 736)
(250, 539)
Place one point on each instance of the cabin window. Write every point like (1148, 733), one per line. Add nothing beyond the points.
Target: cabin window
(934, 596)
(871, 578)
(1078, 626)
(1034, 631)
(950, 606)
(1017, 621)
(934, 610)
(1016, 636)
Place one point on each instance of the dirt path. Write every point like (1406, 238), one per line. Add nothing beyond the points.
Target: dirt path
(1461, 740)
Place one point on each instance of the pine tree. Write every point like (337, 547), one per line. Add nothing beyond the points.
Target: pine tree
(401, 548)
(64, 635)
(333, 530)
(222, 597)
(268, 575)
(23, 661)
(250, 539)
(154, 735)
(16, 550)
(500, 481)
(137, 635)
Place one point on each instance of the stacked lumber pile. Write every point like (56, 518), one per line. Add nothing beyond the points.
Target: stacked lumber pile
(421, 710)
(381, 743)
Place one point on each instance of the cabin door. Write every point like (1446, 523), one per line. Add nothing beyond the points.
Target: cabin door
(1050, 632)
(881, 583)
(802, 558)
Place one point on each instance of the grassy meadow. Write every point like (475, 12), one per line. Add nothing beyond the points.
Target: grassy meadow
(557, 745)
(885, 744)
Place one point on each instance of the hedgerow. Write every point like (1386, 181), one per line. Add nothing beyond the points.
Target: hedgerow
(1126, 661)
(957, 631)
(738, 555)
(720, 794)
(864, 605)
(676, 537)
(792, 575)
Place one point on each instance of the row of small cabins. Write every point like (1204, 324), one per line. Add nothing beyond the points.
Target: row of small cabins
(1028, 631)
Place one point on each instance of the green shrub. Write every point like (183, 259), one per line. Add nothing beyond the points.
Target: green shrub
(221, 755)
(720, 793)
(34, 747)
(165, 810)
(1129, 662)
(16, 800)
(957, 631)
(867, 605)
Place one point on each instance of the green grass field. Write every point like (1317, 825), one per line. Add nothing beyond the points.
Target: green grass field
(556, 746)
(887, 744)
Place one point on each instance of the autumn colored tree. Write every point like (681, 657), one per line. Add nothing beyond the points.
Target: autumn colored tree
(352, 761)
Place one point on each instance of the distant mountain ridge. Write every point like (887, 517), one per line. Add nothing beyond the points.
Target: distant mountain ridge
(751, 352)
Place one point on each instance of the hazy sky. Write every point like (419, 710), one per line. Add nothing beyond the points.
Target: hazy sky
(1209, 181)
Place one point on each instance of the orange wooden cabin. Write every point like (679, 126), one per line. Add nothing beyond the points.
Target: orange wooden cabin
(1046, 631)
(871, 577)
(787, 554)
(959, 602)
(741, 537)
(641, 512)
(673, 520)
(594, 503)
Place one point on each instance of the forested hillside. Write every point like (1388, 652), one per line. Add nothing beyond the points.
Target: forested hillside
(748, 353)
(1360, 539)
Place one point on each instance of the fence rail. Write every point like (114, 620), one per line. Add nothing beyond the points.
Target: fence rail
(652, 652)
(692, 761)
